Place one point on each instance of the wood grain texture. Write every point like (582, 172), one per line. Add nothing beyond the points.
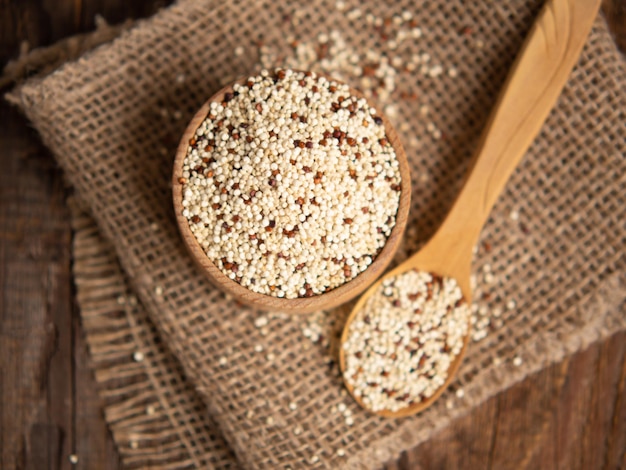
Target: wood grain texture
(46, 385)
(569, 416)
(328, 300)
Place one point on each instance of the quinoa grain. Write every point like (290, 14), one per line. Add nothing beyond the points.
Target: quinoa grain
(275, 189)
(400, 346)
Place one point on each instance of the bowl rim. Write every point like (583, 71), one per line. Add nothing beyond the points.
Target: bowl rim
(332, 298)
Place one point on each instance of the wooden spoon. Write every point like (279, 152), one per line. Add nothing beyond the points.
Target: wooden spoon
(529, 93)
(330, 299)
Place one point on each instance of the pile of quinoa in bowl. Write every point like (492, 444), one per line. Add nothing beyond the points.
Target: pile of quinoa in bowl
(290, 184)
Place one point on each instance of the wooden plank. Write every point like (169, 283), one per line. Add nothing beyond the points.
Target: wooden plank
(599, 427)
(466, 443)
(43, 22)
(615, 13)
(93, 444)
(36, 301)
(49, 408)
(59, 378)
(571, 415)
(609, 418)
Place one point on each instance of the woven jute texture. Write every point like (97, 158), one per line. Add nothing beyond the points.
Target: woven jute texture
(553, 248)
(156, 417)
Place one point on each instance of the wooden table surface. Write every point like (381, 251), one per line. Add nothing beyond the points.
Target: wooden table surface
(570, 416)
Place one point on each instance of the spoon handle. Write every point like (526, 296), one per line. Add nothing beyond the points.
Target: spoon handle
(532, 87)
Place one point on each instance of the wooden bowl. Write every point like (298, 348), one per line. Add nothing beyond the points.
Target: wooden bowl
(327, 300)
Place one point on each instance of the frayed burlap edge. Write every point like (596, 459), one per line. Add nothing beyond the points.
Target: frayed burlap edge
(151, 428)
(154, 425)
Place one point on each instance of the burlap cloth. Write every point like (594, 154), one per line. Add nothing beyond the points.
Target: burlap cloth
(550, 265)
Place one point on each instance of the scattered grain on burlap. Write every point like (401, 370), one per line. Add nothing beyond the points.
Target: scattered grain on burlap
(113, 120)
(156, 417)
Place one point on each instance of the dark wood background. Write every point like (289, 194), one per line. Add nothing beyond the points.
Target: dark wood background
(570, 416)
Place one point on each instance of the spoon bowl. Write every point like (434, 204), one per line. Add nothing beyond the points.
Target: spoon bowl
(422, 262)
(529, 93)
(327, 300)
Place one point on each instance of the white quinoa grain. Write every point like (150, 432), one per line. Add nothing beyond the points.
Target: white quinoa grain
(517, 361)
(435, 70)
(354, 14)
(73, 458)
(402, 343)
(138, 356)
(293, 186)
